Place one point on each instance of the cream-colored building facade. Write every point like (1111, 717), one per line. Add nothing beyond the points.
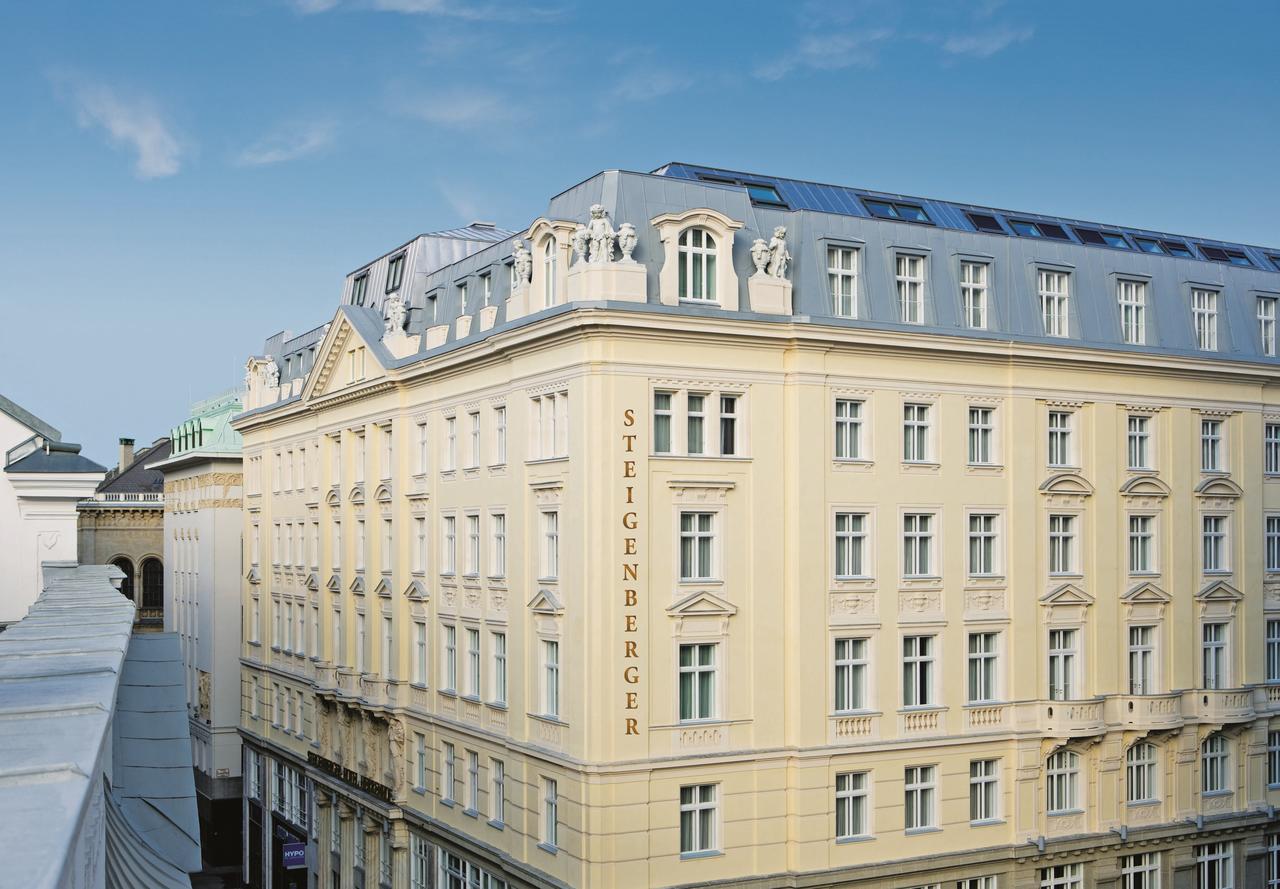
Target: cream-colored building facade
(655, 572)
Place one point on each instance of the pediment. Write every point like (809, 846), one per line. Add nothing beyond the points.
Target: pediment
(1145, 486)
(332, 370)
(254, 576)
(356, 494)
(1145, 592)
(1067, 483)
(382, 494)
(1219, 591)
(334, 585)
(332, 498)
(545, 602)
(1066, 594)
(384, 586)
(416, 590)
(1218, 486)
(312, 582)
(702, 603)
(357, 585)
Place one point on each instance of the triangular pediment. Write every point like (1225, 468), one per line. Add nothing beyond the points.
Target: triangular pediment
(1218, 486)
(1066, 594)
(312, 582)
(349, 355)
(1219, 591)
(545, 602)
(1145, 486)
(1145, 592)
(416, 590)
(254, 576)
(384, 586)
(334, 585)
(383, 494)
(357, 585)
(1067, 483)
(702, 602)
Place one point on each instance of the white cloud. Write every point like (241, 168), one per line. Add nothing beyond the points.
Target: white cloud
(311, 7)
(288, 143)
(829, 52)
(985, 45)
(460, 9)
(130, 122)
(461, 108)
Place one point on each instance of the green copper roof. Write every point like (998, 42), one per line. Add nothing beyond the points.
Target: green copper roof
(208, 429)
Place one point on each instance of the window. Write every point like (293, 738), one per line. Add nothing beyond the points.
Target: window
(1062, 785)
(697, 818)
(910, 284)
(1060, 438)
(1139, 442)
(1271, 449)
(697, 265)
(851, 543)
(1213, 765)
(1062, 876)
(473, 459)
(917, 544)
(662, 422)
(388, 542)
(499, 668)
(1140, 871)
(1211, 446)
(982, 662)
(395, 273)
(1267, 325)
(1215, 866)
(359, 286)
(362, 649)
(419, 652)
(696, 536)
(473, 781)
(448, 785)
(1273, 650)
(362, 545)
(450, 658)
(1204, 317)
(917, 671)
(420, 761)
(973, 294)
(498, 549)
(920, 789)
(450, 444)
(499, 435)
(977, 883)
(915, 433)
(1062, 665)
(420, 545)
(550, 813)
(1141, 536)
(549, 273)
(550, 568)
(473, 545)
(1054, 302)
(473, 662)
(697, 682)
(887, 209)
(1273, 543)
(1132, 296)
(551, 678)
(1140, 773)
(695, 423)
(1273, 758)
(985, 222)
(450, 554)
(1142, 660)
(549, 428)
(1213, 648)
(388, 644)
(981, 433)
(850, 679)
(851, 805)
(982, 544)
(1214, 540)
(842, 281)
(1062, 530)
(728, 425)
(497, 791)
(1273, 840)
(849, 430)
(984, 790)
(1102, 238)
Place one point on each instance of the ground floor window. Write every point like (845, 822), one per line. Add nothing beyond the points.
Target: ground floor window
(1215, 866)
(697, 818)
(1273, 861)
(457, 872)
(1140, 871)
(1062, 876)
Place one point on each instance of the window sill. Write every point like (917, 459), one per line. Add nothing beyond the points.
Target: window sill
(1139, 803)
(421, 791)
(921, 464)
(471, 813)
(475, 699)
(1065, 812)
(922, 708)
(497, 825)
(977, 705)
(860, 838)
(917, 831)
(446, 802)
(548, 848)
(740, 458)
(986, 822)
(918, 578)
(686, 301)
(497, 467)
(695, 723)
(694, 856)
(536, 461)
(449, 692)
(548, 718)
(1212, 794)
(496, 705)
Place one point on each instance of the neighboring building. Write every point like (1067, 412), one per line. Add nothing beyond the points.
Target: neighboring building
(123, 525)
(43, 479)
(202, 502)
(804, 536)
(95, 760)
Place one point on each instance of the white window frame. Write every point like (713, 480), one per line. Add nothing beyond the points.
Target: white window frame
(982, 662)
(1215, 654)
(984, 791)
(698, 265)
(1216, 866)
(853, 805)
(975, 293)
(1062, 544)
(1141, 870)
(919, 798)
(919, 679)
(1054, 288)
(1138, 443)
(1060, 429)
(851, 535)
(1267, 325)
(702, 706)
(1062, 783)
(1064, 655)
(1142, 549)
(699, 819)
(1132, 299)
(1215, 543)
(1212, 444)
(983, 550)
(1204, 318)
(1142, 650)
(1215, 765)
(697, 547)
(850, 668)
(917, 432)
(981, 435)
(842, 279)
(919, 530)
(909, 282)
(1142, 773)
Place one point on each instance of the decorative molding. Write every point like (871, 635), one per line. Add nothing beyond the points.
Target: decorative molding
(545, 602)
(702, 603)
(1219, 486)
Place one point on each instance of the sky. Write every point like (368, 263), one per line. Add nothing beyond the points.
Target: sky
(181, 179)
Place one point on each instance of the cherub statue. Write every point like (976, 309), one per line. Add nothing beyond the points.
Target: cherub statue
(580, 239)
(760, 255)
(627, 240)
(779, 256)
(602, 235)
(271, 373)
(396, 314)
(522, 262)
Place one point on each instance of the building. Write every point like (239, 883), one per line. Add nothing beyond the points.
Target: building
(95, 781)
(122, 524)
(43, 479)
(729, 530)
(202, 502)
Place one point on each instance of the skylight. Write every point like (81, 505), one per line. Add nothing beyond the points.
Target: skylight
(759, 192)
(1219, 254)
(1162, 247)
(1028, 229)
(1102, 238)
(897, 210)
(985, 222)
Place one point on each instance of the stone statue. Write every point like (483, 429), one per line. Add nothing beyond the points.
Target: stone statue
(248, 376)
(344, 748)
(602, 235)
(760, 255)
(580, 239)
(395, 740)
(779, 256)
(322, 717)
(627, 240)
(271, 373)
(202, 695)
(522, 262)
(396, 314)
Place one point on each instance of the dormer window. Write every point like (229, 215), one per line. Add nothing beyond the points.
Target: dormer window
(549, 272)
(358, 288)
(697, 265)
(395, 273)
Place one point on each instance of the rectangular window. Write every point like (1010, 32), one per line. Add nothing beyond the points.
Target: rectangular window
(550, 567)
(851, 544)
(917, 671)
(420, 762)
(842, 281)
(473, 662)
(1271, 449)
(984, 790)
(388, 542)
(1141, 536)
(1273, 758)
(1132, 296)
(1273, 840)
(388, 452)
(499, 668)
(695, 423)
(1060, 453)
(550, 813)
(500, 435)
(1213, 657)
(551, 678)
(1214, 542)
(981, 435)
(920, 784)
(851, 805)
(1204, 317)
(697, 819)
(1063, 655)
(473, 545)
(662, 422)
(910, 283)
(1062, 533)
(1267, 325)
(915, 433)
(1273, 650)
(449, 525)
(849, 429)
(498, 525)
(450, 444)
(1211, 446)
(1139, 442)
(1142, 660)
(977, 883)
(1273, 543)
(983, 675)
(917, 544)
(448, 779)
(473, 426)
(497, 792)
(395, 273)
(360, 457)
(696, 545)
(450, 658)
(697, 682)
(362, 545)
(419, 545)
(419, 652)
(982, 544)
(728, 425)
(850, 679)
(1054, 288)
(473, 781)
(973, 294)
(388, 645)
(359, 286)
(1215, 866)
(362, 648)
(1062, 876)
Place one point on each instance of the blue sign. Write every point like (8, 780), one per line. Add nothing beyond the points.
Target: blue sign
(295, 855)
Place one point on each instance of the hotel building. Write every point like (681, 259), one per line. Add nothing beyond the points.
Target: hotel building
(722, 529)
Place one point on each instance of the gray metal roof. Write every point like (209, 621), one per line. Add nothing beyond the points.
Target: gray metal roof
(52, 456)
(28, 419)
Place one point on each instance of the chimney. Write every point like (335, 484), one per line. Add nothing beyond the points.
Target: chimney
(126, 454)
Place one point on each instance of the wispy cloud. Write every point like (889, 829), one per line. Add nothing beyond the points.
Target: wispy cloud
(986, 44)
(288, 142)
(646, 85)
(131, 122)
(460, 108)
(311, 7)
(459, 9)
(829, 52)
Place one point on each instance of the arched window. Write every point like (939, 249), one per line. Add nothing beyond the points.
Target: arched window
(549, 272)
(126, 586)
(1213, 765)
(1062, 793)
(1140, 773)
(152, 584)
(697, 265)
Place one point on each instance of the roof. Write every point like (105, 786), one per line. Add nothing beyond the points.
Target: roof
(54, 457)
(137, 477)
(207, 429)
(28, 419)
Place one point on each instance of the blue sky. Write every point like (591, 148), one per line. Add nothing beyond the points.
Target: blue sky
(178, 180)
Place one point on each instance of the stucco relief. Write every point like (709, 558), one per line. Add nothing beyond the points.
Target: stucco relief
(498, 600)
(984, 600)
(853, 603)
(918, 602)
